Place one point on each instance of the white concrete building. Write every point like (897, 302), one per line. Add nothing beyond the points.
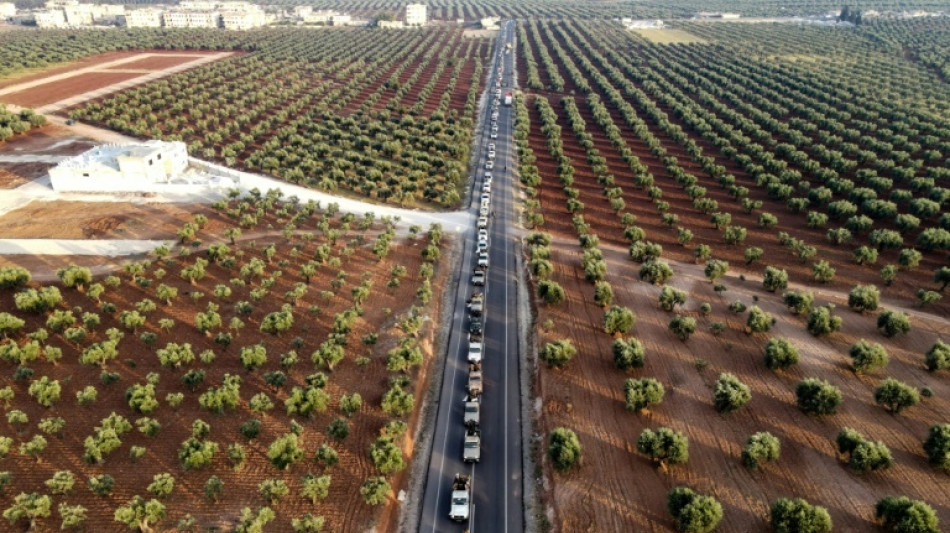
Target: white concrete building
(7, 10)
(133, 167)
(416, 15)
(50, 18)
(340, 19)
(144, 18)
(244, 19)
(78, 15)
(490, 22)
(390, 24)
(192, 19)
(642, 24)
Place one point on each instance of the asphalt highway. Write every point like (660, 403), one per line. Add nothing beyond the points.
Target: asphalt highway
(497, 499)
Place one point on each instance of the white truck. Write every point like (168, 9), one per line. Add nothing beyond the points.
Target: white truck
(461, 498)
(472, 446)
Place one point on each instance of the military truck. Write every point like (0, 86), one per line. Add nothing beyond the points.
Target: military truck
(472, 446)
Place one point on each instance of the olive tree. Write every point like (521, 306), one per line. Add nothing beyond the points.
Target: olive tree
(760, 447)
(558, 353)
(867, 356)
(564, 448)
(815, 396)
(629, 353)
(641, 394)
(891, 323)
(938, 356)
(864, 298)
(903, 515)
(664, 446)
(618, 320)
(758, 321)
(729, 394)
(774, 279)
(692, 512)
(798, 516)
(822, 321)
(896, 396)
(780, 354)
(682, 327)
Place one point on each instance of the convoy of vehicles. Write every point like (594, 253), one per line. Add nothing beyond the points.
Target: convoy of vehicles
(471, 446)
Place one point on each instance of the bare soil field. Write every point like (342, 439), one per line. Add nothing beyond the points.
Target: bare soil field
(49, 140)
(105, 220)
(40, 73)
(615, 489)
(55, 91)
(314, 315)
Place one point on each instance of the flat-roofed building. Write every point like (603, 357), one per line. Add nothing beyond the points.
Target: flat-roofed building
(111, 167)
(7, 10)
(244, 19)
(144, 18)
(192, 19)
(50, 18)
(416, 15)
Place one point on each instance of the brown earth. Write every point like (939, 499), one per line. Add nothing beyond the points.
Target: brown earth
(344, 509)
(47, 140)
(158, 62)
(105, 220)
(36, 74)
(615, 489)
(55, 91)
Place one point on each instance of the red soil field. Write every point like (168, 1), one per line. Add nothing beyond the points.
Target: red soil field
(36, 74)
(48, 93)
(344, 509)
(616, 489)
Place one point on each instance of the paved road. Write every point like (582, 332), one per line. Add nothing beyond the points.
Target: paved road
(497, 505)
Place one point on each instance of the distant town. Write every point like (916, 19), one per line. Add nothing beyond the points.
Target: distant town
(193, 14)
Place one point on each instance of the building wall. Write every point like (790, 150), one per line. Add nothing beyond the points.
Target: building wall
(416, 15)
(144, 18)
(7, 10)
(192, 19)
(126, 168)
(53, 18)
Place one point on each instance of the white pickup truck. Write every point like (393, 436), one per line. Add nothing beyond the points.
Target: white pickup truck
(461, 498)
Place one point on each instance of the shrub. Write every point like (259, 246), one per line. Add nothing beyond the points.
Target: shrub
(729, 394)
(715, 269)
(692, 512)
(937, 446)
(550, 291)
(564, 448)
(285, 451)
(798, 303)
(374, 490)
(643, 393)
(818, 397)
(761, 447)
(656, 272)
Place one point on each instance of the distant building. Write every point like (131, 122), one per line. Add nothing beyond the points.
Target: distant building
(642, 24)
(490, 22)
(78, 15)
(392, 24)
(50, 18)
(192, 19)
(7, 10)
(144, 18)
(416, 15)
(243, 19)
(134, 167)
(340, 19)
